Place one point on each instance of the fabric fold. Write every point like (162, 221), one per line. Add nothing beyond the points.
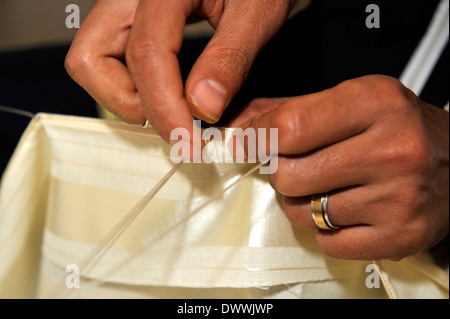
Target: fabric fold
(71, 180)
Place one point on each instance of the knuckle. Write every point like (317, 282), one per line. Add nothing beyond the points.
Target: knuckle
(76, 62)
(293, 126)
(414, 154)
(70, 64)
(406, 153)
(355, 86)
(390, 93)
(418, 156)
(235, 59)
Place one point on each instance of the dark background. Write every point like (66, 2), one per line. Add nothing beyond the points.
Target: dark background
(319, 48)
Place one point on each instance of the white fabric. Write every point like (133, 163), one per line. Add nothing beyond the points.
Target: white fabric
(72, 179)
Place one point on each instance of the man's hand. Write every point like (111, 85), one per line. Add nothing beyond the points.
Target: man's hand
(125, 56)
(380, 153)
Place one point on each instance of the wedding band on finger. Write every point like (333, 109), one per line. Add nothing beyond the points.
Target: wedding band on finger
(319, 212)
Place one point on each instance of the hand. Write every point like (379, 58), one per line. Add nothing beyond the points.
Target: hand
(125, 56)
(380, 153)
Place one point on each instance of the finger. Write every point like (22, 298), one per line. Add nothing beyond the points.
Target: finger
(256, 107)
(316, 120)
(348, 163)
(373, 219)
(367, 242)
(244, 28)
(346, 207)
(361, 242)
(155, 40)
(93, 60)
(358, 238)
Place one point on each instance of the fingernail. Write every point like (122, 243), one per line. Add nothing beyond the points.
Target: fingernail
(210, 98)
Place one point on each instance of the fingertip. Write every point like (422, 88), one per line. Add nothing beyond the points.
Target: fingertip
(209, 99)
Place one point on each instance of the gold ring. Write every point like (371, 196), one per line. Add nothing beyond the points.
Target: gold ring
(319, 212)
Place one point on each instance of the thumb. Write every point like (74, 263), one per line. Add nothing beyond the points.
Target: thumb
(220, 71)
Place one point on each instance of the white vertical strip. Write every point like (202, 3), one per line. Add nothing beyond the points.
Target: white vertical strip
(430, 48)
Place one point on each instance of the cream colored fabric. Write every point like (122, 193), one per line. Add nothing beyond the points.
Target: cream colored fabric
(72, 179)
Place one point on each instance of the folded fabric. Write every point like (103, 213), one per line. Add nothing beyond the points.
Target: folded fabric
(72, 179)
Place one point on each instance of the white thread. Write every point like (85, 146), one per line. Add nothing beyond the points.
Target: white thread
(93, 257)
(13, 110)
(99, 281)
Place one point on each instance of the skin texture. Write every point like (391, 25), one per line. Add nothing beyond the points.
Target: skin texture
(378, 151)
(147, 35)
